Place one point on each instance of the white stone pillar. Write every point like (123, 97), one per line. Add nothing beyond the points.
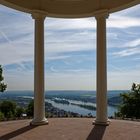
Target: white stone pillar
(101, 88)
(39, 99)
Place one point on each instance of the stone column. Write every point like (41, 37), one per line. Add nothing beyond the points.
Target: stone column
(39, 99)
(101, 89)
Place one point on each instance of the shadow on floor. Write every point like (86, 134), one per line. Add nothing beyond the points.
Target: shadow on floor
(97, 133)
(17, 132)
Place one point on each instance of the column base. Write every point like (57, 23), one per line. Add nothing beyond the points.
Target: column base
(95, 122)
(43, 122)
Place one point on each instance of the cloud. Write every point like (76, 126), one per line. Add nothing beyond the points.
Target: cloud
(127, 52)
(133, 43)
(55, 24)
(131, 12)
(18, 37)
(15, 54)
(60, 57)
(118, 21)
(75, 81)
(70, 46)
(115, 68)
(128, 49)
(120, 80)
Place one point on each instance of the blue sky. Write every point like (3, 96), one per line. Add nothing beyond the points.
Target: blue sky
(70, 51)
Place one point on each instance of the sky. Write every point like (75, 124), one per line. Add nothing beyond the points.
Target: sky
(70, 51)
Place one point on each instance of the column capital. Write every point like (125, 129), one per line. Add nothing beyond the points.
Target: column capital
(102, 14)
(38, 15)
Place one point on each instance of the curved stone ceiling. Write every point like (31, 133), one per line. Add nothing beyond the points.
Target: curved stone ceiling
(69, 8)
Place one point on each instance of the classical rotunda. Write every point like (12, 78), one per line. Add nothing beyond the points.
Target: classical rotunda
(39, 9)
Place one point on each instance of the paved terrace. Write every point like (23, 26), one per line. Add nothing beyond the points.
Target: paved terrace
(70, 129)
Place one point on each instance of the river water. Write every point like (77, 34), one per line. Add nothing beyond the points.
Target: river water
(80, 110)
(66, 107)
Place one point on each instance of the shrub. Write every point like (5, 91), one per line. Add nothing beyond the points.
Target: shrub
(130, 106)
(30, 108)
(1, 116)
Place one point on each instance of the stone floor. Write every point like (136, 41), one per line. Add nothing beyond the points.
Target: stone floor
(70, 129)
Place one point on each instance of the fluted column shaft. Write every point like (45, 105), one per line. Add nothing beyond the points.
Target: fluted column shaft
(39, 99)
(101, 89)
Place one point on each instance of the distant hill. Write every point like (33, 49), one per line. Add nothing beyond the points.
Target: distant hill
(114, 101)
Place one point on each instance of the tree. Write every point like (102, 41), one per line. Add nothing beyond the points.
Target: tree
(2, 85)
(19, 111)
(30, 108)
(8, 108)
(130, 106)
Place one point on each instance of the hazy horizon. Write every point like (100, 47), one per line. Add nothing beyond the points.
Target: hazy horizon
(31, 90)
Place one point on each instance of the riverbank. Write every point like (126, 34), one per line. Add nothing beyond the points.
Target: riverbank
(78, 102)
